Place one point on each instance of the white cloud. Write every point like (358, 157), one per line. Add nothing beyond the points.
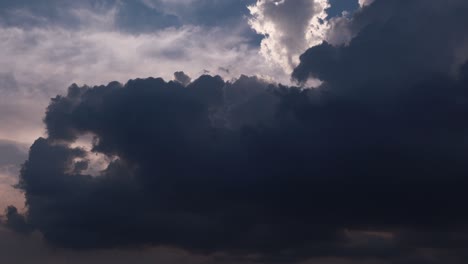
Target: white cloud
(95, 57)
(363, 3)
(290, 27)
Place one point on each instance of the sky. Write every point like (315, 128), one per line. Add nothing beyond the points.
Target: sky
(233, 132)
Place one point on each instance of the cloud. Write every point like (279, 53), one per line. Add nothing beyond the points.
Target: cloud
(392, 44)
(250, 168)
(19, 249)
(205, 12)
(44, 48)
(98, 52)
(337, 7)
(96, 42)
(368, 167)
(289, 28)
(12, 155)
(364, 3)
(182, 78)
(118, 55)
(16, 221)
(130, 16)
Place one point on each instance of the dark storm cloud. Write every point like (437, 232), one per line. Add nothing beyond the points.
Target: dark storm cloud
(204, 169)
(370, 165)
(396, 44)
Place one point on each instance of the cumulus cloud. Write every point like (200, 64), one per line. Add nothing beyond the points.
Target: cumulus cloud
(392, 44)
(250, 168)
(289, 27)
(368, 167)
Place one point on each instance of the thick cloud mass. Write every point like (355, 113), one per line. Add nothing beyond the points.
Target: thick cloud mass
(370, 165)
(246, 166)
(396, 44)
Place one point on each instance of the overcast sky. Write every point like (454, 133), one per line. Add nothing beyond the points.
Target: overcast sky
(234, 131)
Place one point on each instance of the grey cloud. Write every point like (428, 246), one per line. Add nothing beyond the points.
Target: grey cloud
(182, 78)
(135, 17)
(16, 221)
(19, 249)
(12, 153)
(337, 7)
(8, 84)
(131, 16)
(207, 12)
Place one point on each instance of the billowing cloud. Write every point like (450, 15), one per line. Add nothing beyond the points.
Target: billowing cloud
(251, 168)
(391, 44)
(289, 27)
